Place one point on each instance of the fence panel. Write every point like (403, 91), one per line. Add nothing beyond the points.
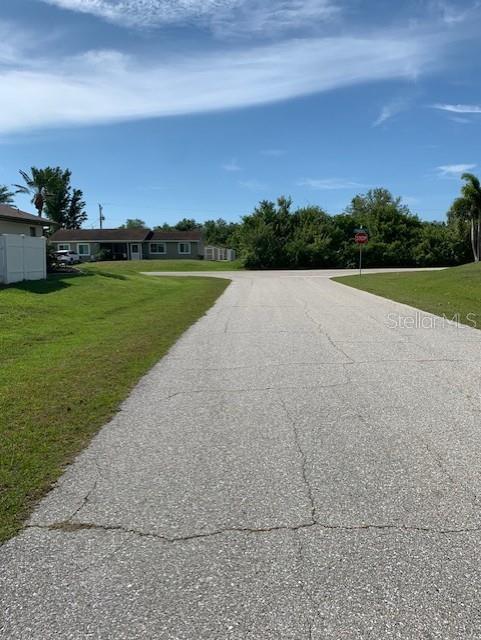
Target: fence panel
(22, 258)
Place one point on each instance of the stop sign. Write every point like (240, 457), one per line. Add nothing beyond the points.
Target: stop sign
(361, 237)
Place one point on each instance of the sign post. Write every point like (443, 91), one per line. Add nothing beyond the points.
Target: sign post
(361, 238)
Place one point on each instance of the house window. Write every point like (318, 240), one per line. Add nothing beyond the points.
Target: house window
(33, 232)
(83, 249)
(63, 247)
(158, 247)
(184, 248)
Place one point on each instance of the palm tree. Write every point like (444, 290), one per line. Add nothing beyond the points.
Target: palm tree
(6, 196)
(468, 207)
(37, 185)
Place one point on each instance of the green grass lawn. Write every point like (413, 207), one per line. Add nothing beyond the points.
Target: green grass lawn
(451, 291)
(137, 266)
(71, 348)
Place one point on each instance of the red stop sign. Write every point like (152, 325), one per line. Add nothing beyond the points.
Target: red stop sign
(361, 237)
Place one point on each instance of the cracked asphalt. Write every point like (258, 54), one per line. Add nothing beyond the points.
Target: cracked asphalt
(295, 467)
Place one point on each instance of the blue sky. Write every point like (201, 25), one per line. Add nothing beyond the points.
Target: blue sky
(201, 108)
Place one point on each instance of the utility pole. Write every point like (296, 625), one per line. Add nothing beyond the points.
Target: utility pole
(101, 215)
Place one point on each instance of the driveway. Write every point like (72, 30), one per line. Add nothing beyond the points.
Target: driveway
(303, 464)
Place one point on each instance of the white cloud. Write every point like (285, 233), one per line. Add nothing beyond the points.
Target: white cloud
(330, 184)
(252, 185)
(17, 42)
(225, 17)
(255, 17)
(453, 15)
(143, 13)
(232, 165)
(390, 110)
(459, 108)
(106, 86)
(454, 170)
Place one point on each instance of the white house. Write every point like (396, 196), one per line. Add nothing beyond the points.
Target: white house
(15, 221)
(23, 254)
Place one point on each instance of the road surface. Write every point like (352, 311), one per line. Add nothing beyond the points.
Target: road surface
(303, 464)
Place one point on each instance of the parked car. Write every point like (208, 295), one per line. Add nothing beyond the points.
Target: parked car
(67, 257)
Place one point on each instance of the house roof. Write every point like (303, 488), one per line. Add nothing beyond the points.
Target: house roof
(100, 235)
(196, 234)
(123, 235)
(10, 213)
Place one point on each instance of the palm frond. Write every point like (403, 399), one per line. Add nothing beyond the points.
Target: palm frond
(20, 188)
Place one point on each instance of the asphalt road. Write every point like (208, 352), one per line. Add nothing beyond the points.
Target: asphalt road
(301, 465)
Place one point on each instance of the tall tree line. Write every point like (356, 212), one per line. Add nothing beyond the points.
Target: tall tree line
(275, 235)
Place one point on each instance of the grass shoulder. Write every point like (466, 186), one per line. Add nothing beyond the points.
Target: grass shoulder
(138, 266)
(450, 292)
(72, 347)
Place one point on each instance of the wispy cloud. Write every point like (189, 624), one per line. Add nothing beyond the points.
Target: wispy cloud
(454, 170)
(460, 120)
(411, 201)
(328, 184)
(255, 17)
(108, 86)
(451, 12)
(253, 185)
(390, 110)
(145, 13)
(458, 108)
(232, 165)
(225, 17)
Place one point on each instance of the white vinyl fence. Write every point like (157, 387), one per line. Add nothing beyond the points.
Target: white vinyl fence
(22, 258)
(219, 253)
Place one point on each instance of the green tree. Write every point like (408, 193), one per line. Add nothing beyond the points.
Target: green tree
(440, 245)
(393, 230)
(220, 233)
(53, 196)
(263, 235)
(313, 240)
(187, 224)
(6, 196)
(57, 200)
(468, 208)
(75, 214)
(133, 223)
(163, 227)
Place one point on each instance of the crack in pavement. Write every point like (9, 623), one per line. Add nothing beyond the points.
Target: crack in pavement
(73, 527)
(315, 363)
(303, 457)
(84, 502)
(436, 456)
(321, 329)
(246, 389)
